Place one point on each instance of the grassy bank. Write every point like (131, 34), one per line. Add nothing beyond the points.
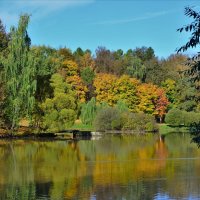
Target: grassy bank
(78, 125)
(165, 129)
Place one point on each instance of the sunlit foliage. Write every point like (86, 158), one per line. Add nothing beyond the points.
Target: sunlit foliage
(59, 111)
(20, 82)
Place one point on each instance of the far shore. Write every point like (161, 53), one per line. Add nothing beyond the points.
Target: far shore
(26, 132)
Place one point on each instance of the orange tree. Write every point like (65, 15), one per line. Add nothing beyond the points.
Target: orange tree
(152, 100)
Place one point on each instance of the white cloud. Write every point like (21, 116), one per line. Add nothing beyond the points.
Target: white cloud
(134, 19)
(10, 9)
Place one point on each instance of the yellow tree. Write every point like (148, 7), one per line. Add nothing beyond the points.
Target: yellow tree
(69, 71)
(68, 68)
(86, 61)
(147, 96)
(126, 90)
(111, 89)
(105, 88)
(78, 86)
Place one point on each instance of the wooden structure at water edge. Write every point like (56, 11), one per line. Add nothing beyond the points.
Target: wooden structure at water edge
(73, 134)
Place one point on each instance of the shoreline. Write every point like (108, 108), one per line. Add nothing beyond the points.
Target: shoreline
(71, 134)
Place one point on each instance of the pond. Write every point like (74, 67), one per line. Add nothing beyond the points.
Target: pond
(113, 167)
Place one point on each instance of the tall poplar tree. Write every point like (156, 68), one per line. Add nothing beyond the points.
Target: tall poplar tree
(4, 37)
(19, 75)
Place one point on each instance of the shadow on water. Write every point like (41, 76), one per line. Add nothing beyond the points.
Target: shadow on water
(194, 131)
(196, 138)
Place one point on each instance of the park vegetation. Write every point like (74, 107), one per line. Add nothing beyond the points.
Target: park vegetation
(51, 89)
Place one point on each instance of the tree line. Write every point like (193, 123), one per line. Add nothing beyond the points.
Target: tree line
(51, 88)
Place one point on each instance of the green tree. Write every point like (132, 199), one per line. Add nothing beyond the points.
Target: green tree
(78, 53)
(186, 96)
(19, 75)
(59, 111)
(88, 75)
(136, 69)
(144, 53)
(173, 66)
(66, 54)
(169, 86)
(88, 112)
(155, 73)
(46, 64)
(175, 117)
(3, 52)
(4, 38)
(194, 28)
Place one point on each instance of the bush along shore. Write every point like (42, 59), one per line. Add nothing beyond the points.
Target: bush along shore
(180, 118)
(96, 118)
(117, 119)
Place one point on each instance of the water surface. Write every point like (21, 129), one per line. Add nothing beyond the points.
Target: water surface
(112, 167)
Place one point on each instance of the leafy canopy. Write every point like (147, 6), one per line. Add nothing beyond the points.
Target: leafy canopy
(19, 74)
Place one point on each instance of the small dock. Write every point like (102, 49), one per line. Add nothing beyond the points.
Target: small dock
(73, 134)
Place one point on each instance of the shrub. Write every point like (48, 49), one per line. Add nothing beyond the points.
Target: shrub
(191, 118)
(116, 124)
(150, 123)
(175, 117)
(113, 119)
(106, 119)
(139, 122)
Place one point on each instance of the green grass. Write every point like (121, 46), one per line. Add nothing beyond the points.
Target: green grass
(82, 127)
(165, 129)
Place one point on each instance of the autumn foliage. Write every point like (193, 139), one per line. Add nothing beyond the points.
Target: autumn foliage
(139, 97)
(137, 79)
(153, 100)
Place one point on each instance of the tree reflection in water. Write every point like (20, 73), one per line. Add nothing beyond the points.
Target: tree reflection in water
(113, 167)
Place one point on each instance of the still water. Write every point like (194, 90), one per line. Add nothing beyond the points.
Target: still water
(112, 167)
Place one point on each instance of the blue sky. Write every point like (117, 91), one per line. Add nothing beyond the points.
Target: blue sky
(117, 24)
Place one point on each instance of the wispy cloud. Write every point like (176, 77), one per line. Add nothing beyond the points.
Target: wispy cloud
(10, 9)
(134, 19)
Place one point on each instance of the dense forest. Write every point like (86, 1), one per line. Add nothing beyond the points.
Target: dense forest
(52, 89)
